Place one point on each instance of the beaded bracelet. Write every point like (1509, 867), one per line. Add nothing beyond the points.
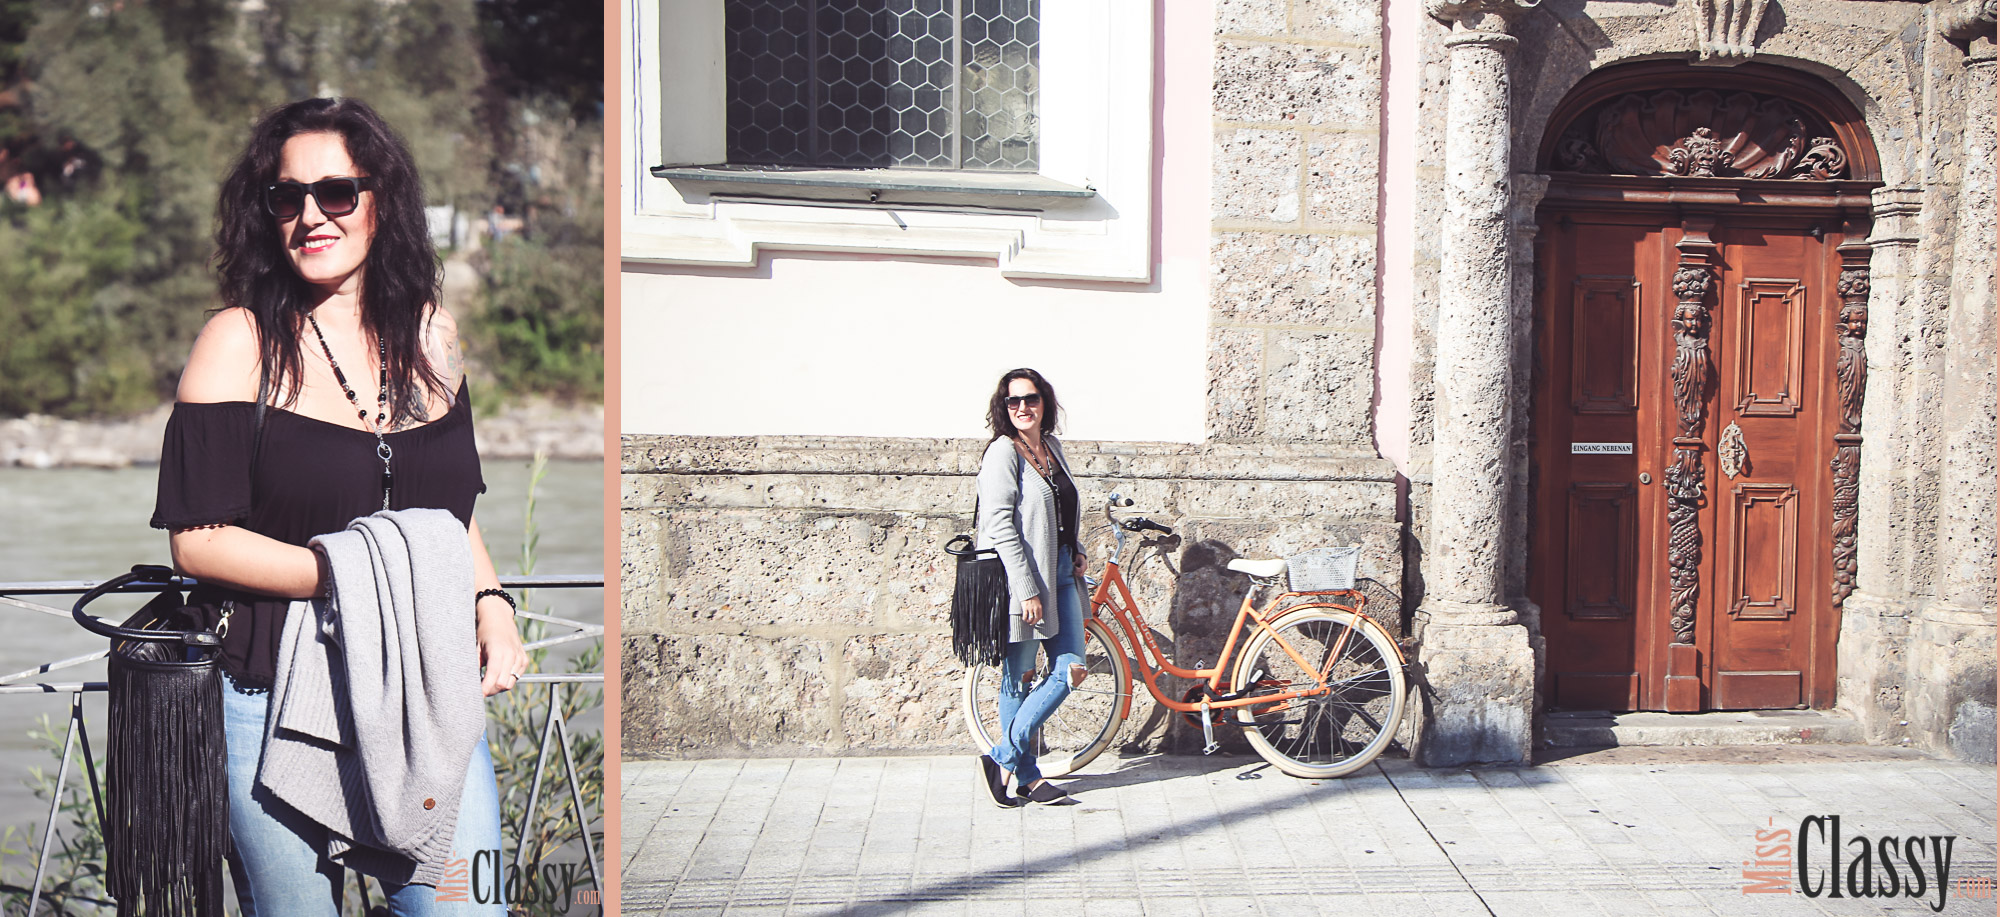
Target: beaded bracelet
(502, 593)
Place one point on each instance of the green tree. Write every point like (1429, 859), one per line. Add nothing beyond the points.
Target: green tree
(543, 322)
(545, 49)
(128, 113)
(113, 284)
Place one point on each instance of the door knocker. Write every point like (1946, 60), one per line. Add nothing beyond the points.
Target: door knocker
(1731, 450)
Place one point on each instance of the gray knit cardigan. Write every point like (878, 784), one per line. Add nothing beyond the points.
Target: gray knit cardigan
(376, 709)
(1017, 518)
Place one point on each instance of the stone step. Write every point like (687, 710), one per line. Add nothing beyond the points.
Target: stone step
(1596, 728)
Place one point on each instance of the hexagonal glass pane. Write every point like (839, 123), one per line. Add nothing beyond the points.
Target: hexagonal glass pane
(883, 82)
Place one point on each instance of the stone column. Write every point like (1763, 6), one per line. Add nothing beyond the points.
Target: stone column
(1476, 656)
(1966, 571)
(1954, 705)
(1882, 550)
(1874, 621)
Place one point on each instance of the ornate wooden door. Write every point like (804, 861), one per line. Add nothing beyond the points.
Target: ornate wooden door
(1701, 297)
(1684, 429)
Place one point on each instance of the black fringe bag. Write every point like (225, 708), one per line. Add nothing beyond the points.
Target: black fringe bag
(166, 828)
(979, 621)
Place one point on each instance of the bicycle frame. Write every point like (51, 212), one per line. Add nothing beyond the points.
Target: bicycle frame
(1124, 613)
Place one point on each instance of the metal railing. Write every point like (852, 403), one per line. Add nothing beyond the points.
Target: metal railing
(556, 728)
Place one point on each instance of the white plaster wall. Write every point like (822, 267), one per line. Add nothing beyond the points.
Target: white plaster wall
(860, 345)
(834, 345)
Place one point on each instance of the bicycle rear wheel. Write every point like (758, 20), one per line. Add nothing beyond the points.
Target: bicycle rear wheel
(1331, 734)
(1086, 722)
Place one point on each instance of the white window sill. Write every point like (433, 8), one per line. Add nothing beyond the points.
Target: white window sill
(886, 187)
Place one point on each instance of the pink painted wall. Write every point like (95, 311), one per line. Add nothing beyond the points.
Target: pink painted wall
(1396, 251)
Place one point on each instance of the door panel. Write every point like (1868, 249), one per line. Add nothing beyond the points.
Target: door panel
(1604, 336)
(1772, 579)
(1603, 528)
(1768, 327)
(1763, 567)
(1598, 561)
(1592, 515)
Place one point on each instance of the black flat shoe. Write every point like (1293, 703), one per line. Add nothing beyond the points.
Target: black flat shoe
(996, 783)
(1048, 794)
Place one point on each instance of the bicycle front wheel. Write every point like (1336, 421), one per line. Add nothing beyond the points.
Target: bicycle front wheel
(1331, 734)
(1086, 722)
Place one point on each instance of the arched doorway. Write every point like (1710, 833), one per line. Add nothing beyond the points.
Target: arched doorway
(1701, 285)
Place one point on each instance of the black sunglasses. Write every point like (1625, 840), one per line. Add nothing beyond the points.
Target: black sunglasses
(337, 197)
(1015, 401)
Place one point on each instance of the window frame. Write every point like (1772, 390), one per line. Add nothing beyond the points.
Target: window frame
(1085, 215)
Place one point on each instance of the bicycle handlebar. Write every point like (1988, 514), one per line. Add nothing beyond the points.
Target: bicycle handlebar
(1134, 523)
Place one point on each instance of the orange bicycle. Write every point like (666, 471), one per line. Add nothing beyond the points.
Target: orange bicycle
(1318, 688)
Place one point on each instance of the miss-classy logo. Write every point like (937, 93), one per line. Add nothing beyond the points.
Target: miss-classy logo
(1819, 856)
(485, 879)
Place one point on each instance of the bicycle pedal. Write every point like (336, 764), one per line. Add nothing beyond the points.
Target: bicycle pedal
(1208, 731)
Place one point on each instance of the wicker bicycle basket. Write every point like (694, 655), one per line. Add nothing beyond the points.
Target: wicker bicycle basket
(1323, 569)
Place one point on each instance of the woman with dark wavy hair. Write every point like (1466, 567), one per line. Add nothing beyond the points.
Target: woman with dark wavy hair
(1029, 512)
(327, 387)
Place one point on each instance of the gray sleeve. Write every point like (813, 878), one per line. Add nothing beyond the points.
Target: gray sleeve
(999, 522)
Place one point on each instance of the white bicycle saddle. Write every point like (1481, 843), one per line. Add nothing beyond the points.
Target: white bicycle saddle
(1259, 568)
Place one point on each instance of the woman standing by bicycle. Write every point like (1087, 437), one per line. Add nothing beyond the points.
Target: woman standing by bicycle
(1028, 514)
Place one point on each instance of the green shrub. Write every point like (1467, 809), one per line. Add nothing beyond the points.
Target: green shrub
(543, 322)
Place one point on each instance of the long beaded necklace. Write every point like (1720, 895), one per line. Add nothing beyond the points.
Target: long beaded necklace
(382, 450)
(1040, 459)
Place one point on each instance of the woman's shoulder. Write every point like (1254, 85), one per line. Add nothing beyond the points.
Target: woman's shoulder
(223, 364)
(1000, 450)
(441, 348)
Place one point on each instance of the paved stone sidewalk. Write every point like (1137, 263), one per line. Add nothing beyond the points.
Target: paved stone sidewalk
(1625, 832)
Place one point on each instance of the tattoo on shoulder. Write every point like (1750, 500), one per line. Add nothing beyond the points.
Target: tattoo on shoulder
(454, 369)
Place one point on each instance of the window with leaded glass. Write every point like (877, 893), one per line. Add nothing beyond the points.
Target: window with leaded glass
(912, 84)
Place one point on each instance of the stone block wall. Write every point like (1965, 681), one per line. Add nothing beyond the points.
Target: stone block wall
(1293, 210)
(791, 595)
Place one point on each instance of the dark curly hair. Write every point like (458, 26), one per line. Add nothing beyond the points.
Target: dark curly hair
(996, 410)
(401, 280)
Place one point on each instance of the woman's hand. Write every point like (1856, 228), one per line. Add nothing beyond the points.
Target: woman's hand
(1080, 562)
(1031, 611)
(500, 651)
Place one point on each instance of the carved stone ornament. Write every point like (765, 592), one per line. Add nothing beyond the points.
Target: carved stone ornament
(1966, 20)
(1701, 133)
(1726, 30)
(1450, 11)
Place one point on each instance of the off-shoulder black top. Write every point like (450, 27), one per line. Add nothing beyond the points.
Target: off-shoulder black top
(309, 477)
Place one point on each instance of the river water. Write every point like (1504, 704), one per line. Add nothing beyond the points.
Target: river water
(86, 524)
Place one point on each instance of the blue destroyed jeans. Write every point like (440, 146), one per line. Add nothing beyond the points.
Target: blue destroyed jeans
(277, 862)
(1023, 708)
